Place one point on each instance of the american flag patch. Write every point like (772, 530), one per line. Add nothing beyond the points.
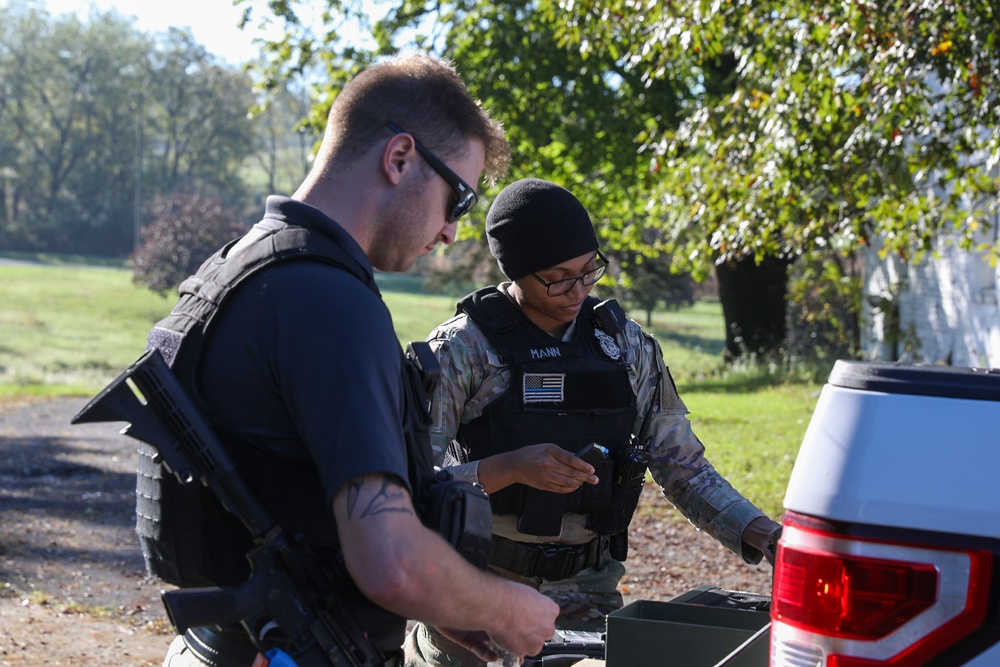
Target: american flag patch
(544, 387)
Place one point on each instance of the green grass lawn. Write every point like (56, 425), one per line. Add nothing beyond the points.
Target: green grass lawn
(752, 437)
(69, 330)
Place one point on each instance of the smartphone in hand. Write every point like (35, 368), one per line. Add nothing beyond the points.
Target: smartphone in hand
(593, 453)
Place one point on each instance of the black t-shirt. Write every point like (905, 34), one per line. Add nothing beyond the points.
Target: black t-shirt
(300, 372)
(304, 361)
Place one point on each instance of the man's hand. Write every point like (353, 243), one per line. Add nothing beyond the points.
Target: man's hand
(520, 629)
(527, 624)
(544, 466)
(400, 565)
(476, 641)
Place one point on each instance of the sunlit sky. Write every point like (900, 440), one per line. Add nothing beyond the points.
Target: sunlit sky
(214, 23)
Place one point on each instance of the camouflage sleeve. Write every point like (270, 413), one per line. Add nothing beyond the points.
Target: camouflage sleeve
(677, 457)
(469, 382)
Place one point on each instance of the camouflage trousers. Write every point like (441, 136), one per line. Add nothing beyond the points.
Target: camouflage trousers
(584, 600)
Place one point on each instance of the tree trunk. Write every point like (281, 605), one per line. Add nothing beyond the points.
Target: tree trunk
(753, 304)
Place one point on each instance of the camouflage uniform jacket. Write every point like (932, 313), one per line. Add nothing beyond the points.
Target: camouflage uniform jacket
(472, 378)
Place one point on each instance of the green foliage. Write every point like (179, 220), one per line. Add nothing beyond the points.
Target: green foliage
(713, 132)
(97, 118)
(826, 309)
(650, 284)
(470, 266)
(195, 120)
(285, 140)
(834, 124)
(572, 118)
(67, 130)
(185, 230)
(301, 51)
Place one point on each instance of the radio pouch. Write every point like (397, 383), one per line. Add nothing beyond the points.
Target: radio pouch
(460, 512)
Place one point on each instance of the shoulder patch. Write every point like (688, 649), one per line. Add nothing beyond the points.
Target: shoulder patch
(670, 400)
(608, 345)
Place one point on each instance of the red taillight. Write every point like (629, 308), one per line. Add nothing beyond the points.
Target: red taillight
(848, 596)
(840, 601)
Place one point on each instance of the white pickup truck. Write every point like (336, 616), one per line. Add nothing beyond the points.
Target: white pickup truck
(890, 553)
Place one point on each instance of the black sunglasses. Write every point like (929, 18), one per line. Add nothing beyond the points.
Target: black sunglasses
(466, 196)
(560, 287)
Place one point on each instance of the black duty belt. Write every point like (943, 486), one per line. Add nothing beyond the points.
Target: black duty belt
(549, 561)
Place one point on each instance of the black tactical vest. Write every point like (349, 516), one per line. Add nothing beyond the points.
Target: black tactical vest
(569, 393)
(187, 538)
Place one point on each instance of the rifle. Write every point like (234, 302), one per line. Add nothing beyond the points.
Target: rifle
(567, 648)
(289, 602)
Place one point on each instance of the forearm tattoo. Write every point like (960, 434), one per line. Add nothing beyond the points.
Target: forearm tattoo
(390, 498)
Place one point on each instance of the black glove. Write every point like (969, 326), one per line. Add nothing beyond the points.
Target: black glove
(762, 534)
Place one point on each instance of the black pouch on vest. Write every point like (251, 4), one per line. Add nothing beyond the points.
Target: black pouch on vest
(460, 512)
(628, 478)
(540, 512)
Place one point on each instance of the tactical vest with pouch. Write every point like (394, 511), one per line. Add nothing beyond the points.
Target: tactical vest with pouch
(568, 393)
(187, 538)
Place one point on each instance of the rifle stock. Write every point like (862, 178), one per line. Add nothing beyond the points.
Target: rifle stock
(288, 590)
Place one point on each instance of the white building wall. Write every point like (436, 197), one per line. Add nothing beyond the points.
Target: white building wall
(947, 309)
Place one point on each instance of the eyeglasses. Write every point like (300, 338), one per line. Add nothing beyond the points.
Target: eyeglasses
(466, 196)
(560, 287)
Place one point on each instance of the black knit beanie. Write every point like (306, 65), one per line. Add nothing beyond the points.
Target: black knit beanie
(534, 225)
